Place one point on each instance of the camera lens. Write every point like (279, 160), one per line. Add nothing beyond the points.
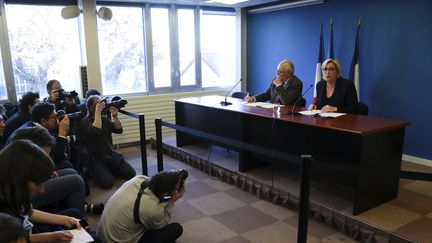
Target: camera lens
(183, 174)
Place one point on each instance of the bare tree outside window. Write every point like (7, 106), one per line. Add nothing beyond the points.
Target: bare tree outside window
(186, 33)
(218, 49)
(121, 46)
(44, 46)
(3, 93)
(161, 47)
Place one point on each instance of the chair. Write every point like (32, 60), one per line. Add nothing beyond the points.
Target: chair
(239, 95)
(362, 109)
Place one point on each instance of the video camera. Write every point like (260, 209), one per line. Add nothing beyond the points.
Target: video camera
(72, 116)
(115, 101)
(66, 94)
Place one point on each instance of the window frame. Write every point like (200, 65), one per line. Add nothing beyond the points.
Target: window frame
(148, 49)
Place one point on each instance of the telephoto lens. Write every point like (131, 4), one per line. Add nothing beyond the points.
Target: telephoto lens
(94, 208)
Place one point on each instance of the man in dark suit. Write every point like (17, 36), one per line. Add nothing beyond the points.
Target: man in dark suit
(23, 115)
(285, 88)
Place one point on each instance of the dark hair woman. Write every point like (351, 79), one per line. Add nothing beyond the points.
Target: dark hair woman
(25, 168)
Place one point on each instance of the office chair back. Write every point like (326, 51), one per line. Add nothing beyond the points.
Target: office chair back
(239, 95)
(362, 109)
(301, 102)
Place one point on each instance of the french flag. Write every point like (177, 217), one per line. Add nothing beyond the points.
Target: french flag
(319, 61)
(354, 70)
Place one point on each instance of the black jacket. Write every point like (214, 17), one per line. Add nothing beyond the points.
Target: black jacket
(344, 96)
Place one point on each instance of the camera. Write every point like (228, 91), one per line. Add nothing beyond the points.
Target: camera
(66, 94)
(72, 116)
(183, 175)
(115, 101)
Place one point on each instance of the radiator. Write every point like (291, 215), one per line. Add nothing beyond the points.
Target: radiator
(152, 106)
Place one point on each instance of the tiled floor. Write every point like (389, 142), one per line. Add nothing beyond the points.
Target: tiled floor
(213, 211)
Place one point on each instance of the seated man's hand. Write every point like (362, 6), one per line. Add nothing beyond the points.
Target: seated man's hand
(277, 82)
(249, 99)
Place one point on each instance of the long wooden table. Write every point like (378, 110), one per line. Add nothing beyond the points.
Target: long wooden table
(358, 152)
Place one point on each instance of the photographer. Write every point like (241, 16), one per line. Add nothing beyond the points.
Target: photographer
(95, 132)
(62, 99)
(154, 206)
(23, 115)
(44, 115)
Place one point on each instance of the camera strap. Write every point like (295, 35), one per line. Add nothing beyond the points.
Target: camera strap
(144, 185)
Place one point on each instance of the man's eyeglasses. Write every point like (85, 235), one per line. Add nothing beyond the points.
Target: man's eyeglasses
(329, 69)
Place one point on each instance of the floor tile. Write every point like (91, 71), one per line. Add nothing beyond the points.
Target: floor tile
(423, 187)
(216, 203)
(184, 212)
(235, 239)
(389, 217)
(273, 210)
(199, 189)
(278, 232)
(242, 195)
(217, 184)
(413, 201)
(244, 219)
(419, 230)
(205, 230)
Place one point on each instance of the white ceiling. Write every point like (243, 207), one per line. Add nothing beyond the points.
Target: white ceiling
(203, 2)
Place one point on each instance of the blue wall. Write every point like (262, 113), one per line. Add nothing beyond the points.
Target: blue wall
(395, 55)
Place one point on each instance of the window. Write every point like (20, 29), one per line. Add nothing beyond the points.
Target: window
(43, 46)
(121, 47)
(186, 39)
(218, 49)
(161, 47)
(3, 93)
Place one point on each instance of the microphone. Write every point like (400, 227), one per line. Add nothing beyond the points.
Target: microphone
(225, 103)
(293, 113)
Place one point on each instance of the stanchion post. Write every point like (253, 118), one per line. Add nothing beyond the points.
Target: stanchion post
(159, 150)
(304, 200)
(144, 165)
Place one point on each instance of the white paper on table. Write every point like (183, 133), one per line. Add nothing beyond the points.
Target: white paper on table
(331, 114)
(80, 236)
(262, 104)
(310, 113)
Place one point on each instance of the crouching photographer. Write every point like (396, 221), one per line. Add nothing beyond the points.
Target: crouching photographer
(140, 210)
(95, 132)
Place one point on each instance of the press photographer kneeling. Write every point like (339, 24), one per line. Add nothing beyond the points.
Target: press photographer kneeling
(96, 134)
(140, 210)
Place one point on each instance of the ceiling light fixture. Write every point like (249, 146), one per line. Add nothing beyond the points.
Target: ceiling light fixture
(73, 11)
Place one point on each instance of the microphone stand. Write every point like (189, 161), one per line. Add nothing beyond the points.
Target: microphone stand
(293, 112)
(225, 102)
